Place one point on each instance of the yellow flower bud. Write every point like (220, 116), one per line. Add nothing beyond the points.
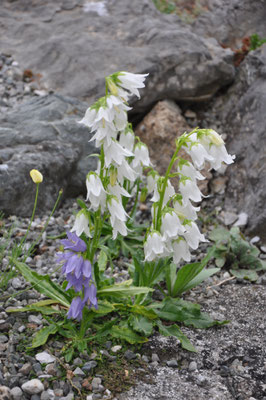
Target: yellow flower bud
(36, 176)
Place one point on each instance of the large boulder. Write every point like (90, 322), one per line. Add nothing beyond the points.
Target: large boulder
(229, 21)
(74, 44)
(43, 134)
(242, 111)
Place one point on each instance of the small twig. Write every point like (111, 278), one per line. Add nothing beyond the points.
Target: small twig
(222, 282)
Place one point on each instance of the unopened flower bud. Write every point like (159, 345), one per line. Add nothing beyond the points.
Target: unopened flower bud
(113, 175)
(112, 86)
(215, 138)
(143, 194)
(36, 176)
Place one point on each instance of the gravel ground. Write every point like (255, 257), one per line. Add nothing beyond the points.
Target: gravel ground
(230, 362)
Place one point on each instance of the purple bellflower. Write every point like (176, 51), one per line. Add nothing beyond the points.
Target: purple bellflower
(78, 273)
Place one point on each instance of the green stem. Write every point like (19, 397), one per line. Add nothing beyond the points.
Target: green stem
(32, 217)
(173, 159)
(132, 214)
(45, 226)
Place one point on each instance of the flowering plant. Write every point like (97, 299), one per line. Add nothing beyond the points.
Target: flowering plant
(105, 226)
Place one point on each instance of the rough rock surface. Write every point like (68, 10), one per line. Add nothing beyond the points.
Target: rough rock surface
(228, 21)
(242, 111)
(43, 134)
(74, 48)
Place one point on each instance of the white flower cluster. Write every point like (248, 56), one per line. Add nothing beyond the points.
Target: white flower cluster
(174, 231)
(121, 161)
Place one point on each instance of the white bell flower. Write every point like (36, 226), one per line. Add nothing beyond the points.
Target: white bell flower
(95, 191)
(193, 235)
(141, 158)
(115, 153)
(220, 155)
(152, 178)
(118, 191)
(89, 117)
(104, 133)
(188, 210)
(124, 171)
(154, 246)
(118, 216)
(198, 154)
(81, 224)
(131, 82)
(119, 227)
(171, 226)
(187, 169)
(180, 251)
(189, 190)
(127, 139)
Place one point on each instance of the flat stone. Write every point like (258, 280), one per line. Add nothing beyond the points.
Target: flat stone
(172, 363)
(242, 219)
(88, 366)
(45, 358)
(34, 386)
(129, 355)
(116, 348)
(78, 372)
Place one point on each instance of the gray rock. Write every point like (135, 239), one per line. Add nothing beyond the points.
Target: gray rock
(172, 363)
(34, 386)
(242, 115)
(155, 357)
(231, 20)
(17, 283)
(192, 366)
(78, 372)
(5, 393)
(88, 366)
(16, 393)
(131, 35)
(48, 395)
(45, 358)
(43, 134)
(34, 319)
(129, 355)
(95, 383)
(3, 339)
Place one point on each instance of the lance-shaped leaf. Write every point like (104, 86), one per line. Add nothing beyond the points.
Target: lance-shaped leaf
(127, 334)
(43, 284)
(42, 335)
(141, 324)
(174, 330)
(123, 289)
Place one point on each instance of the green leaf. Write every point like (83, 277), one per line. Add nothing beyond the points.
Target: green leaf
(141, 324)
(174, 330)
(127, 334)
(123, 289)
(43, 284)
(219, 235)
(202, 276)
(39, 306)
(102, 260)
(220, 262)
(69, 354)
(178, 310)
(82, 204)
(245, 274)
(142, 310)
(104, 307)
(42, 335)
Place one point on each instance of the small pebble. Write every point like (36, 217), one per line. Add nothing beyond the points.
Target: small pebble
(172, 363)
